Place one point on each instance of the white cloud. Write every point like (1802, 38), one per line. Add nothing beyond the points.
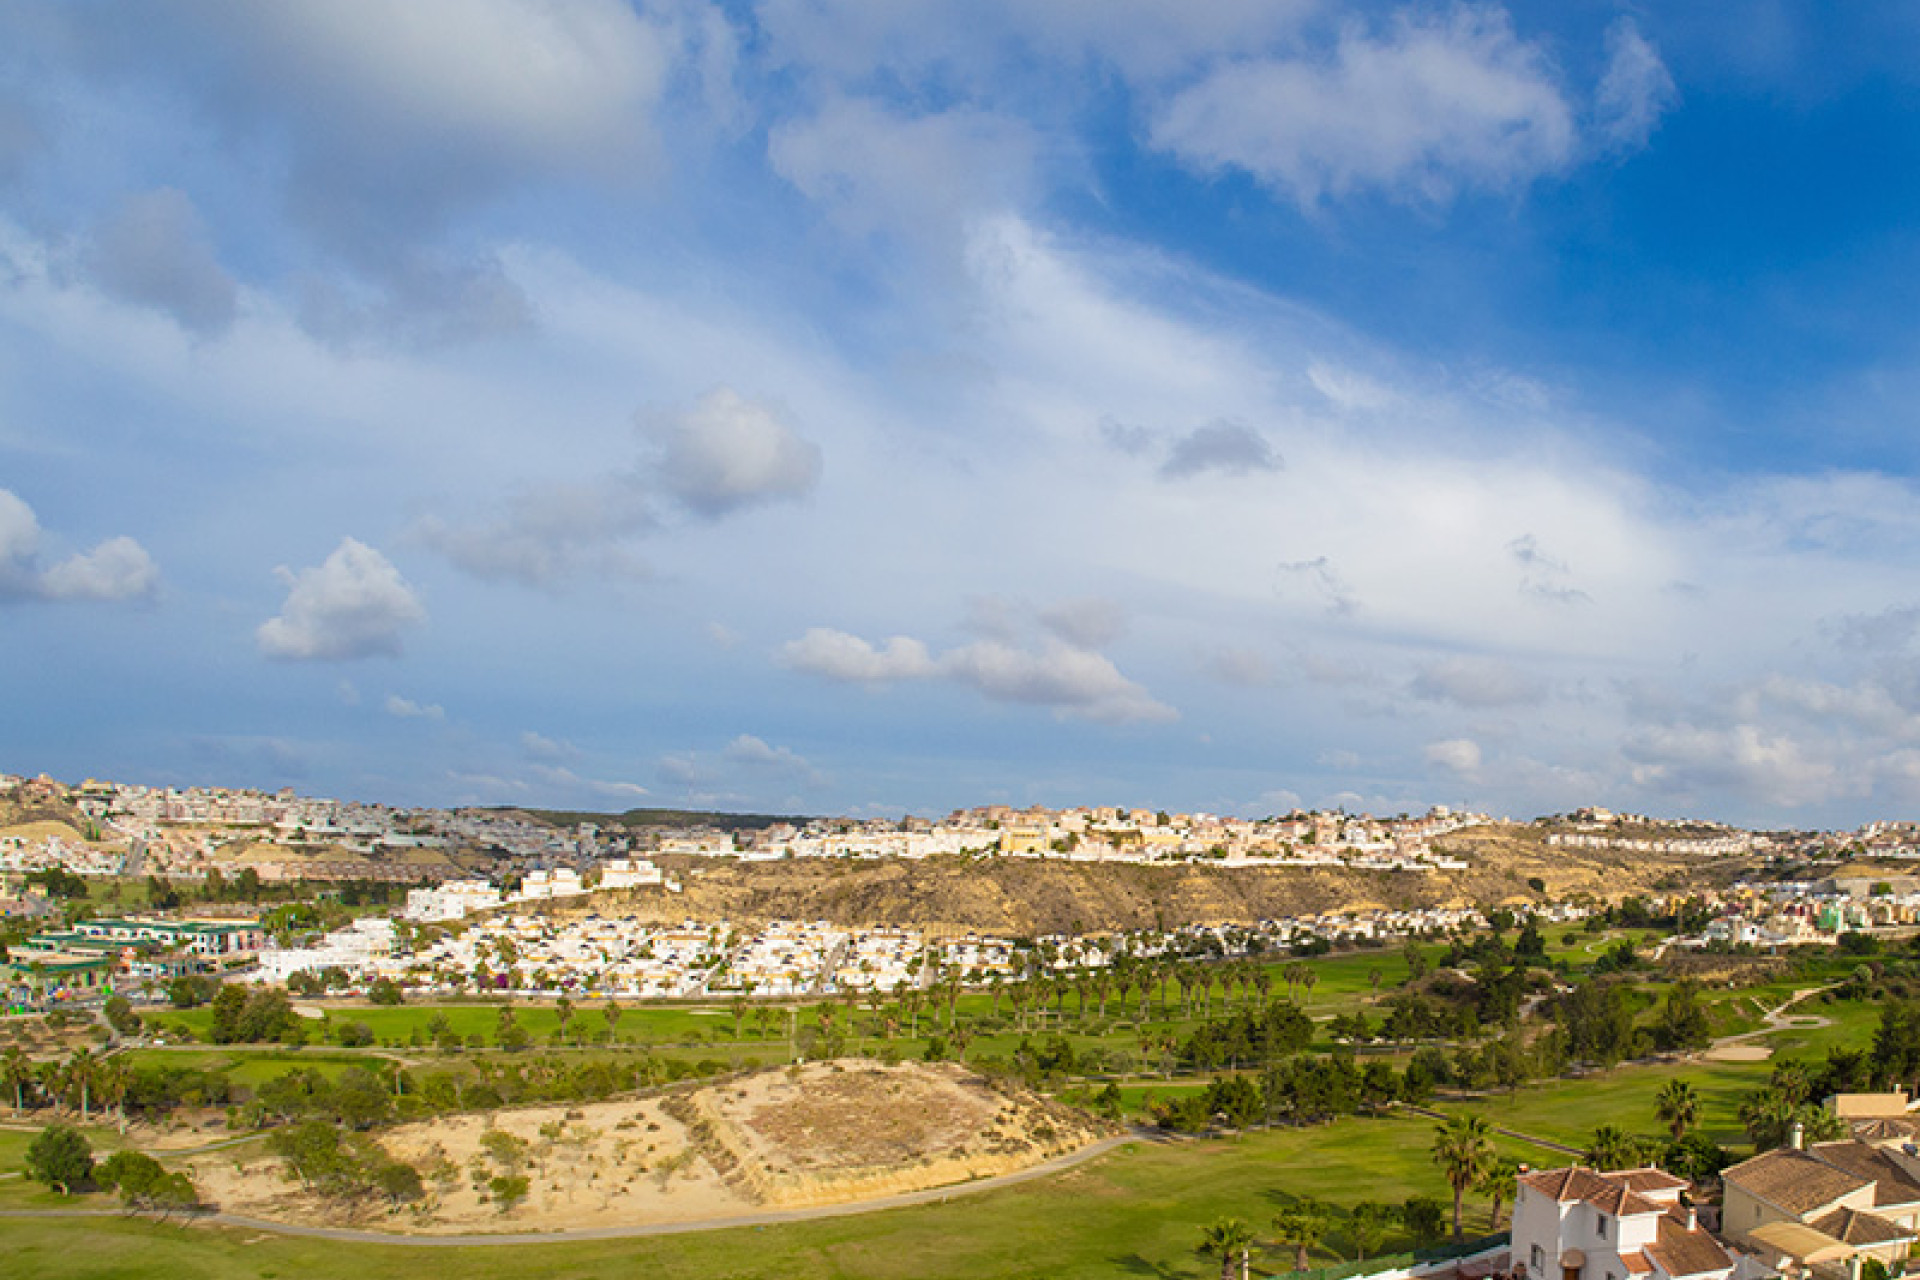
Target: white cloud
(1432, 105)
(835, 655)
(1460, 755)
(117, 569)
(920, 178)
(155, 252)
(355, 604)
(729, 452)
(539, 746)
(1092, 622)
(608, 788)
(1073, 681)
(407, 709)
(1636, 90)
(1747, 759)
(757, 753)
(1477, 682)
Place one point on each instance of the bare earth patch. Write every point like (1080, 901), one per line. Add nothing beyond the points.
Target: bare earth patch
(826, 1133)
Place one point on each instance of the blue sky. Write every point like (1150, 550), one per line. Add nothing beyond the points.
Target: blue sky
(868, 407)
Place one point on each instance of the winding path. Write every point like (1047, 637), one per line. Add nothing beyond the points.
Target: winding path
(1734, 1048)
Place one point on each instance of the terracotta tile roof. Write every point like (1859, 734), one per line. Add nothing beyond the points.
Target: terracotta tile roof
(1892, 1184)
(1852, 1226)
(1600, 1190)
(1886, 1129)
(1793, 1180)
(1645, 1180)
(1686, 1252)
(1637, 1264)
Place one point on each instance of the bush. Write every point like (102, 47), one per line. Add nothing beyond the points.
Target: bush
(61, 1157)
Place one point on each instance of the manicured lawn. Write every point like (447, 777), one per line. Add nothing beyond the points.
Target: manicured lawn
(1568, 1111)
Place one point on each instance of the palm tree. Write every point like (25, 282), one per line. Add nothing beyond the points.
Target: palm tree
(17, 1069)
(1463, 1148)
(82, 1072)
(115, 1078)
(1678, 1107)
(1227, 1239)
(1613, 1148)
(1300, 1226)
(1499, 1186)
(613, 1012)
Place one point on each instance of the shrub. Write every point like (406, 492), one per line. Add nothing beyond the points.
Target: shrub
(61, 1157)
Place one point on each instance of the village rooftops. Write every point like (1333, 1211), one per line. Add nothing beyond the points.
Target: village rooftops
(1610, 1192)
(1795, 1182)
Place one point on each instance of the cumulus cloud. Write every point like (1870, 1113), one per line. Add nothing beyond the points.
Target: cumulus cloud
(1636, 90)
(1476, 682)
(848, 659)
(1226, 447)
(1542, 576)
(407, 709)
(610, 788)
(1246, 668)
(1459, 755)
(353, 605)
(729, 452)
(155, 252)
(1747, 759)
(1074, 682)
(117, 569)
(1432, 104)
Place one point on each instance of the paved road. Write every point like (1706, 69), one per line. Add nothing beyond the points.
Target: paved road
(934, 1195)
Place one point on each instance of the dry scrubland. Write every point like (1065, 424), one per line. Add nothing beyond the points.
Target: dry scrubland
(821, 1134)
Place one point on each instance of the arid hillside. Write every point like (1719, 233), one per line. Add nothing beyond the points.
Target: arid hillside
(1020, 896)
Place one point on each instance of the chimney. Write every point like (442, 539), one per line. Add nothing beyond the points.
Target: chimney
(1797, 1138)
(1693, 1218)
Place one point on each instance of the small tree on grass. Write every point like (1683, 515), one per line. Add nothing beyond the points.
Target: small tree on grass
(1367, 1225)
(1300, 1226)
(1424, 1218)
(1227, 1239)
(61, 1157)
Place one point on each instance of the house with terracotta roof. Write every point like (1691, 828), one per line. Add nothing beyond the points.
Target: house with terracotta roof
(1825, 1208)
(1581, 1224)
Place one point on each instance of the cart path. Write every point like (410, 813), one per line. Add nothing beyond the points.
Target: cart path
(773, 1217)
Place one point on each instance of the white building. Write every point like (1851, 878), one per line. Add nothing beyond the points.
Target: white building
(450, 900)
(1577, 1224)
(629, 873)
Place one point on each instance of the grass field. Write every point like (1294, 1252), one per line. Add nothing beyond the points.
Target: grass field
(1137, 1211)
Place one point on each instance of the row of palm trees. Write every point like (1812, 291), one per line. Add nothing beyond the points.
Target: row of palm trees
(82, 1080)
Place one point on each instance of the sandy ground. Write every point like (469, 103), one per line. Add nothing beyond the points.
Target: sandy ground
(829, 1133)
(1738, 1053)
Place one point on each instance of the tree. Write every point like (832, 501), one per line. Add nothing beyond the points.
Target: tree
(1367, 1224)
(61, 1157)
(1678, 1107)
(17, 1070)
(1499, 1185)
(1227, 1239)
(1424, 1217)
(1463, 1148)
(1613, 1148)
(1300, 1226)
(612, 1012)
(79, 1075)
(385, 991)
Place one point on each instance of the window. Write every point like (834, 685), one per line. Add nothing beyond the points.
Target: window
(1601, 1230)
(1539, 1261)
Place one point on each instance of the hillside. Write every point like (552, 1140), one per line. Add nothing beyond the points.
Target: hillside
(1023, 897)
